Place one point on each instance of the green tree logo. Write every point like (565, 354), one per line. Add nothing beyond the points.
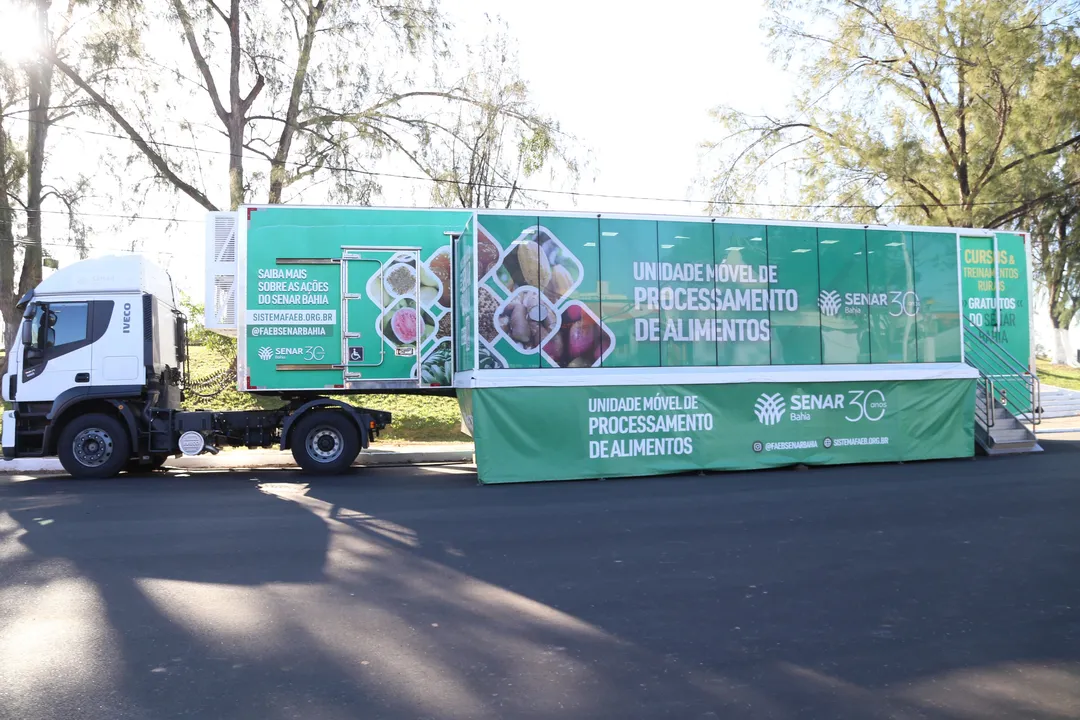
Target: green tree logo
(770, 408)
(829, 302)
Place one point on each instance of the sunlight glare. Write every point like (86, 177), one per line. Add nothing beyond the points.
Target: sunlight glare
(18, 32)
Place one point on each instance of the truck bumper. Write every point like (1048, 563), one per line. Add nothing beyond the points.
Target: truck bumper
(8, 436)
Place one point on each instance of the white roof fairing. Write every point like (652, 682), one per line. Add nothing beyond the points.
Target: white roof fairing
(109, 274)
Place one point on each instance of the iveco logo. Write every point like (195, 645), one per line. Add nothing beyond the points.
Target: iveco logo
(127, 317)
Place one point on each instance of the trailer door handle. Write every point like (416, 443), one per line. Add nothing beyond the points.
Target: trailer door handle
(82, 377)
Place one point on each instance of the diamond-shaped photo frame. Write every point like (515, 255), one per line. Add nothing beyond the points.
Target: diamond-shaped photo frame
(384, 324)
(565, 271)
(503, 318)
(567, 348)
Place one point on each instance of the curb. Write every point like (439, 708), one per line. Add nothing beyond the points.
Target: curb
(377, 458)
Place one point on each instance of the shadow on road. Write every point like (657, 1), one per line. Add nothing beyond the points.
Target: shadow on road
(939, 590)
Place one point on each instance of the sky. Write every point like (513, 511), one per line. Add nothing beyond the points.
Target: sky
(635, 88)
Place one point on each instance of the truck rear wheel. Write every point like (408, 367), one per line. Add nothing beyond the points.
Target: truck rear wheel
(325, 442)
(94, 446)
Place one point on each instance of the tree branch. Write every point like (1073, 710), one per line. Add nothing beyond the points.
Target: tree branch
(200, 60)
(152, 155)
(1074, 140)
(218, 10)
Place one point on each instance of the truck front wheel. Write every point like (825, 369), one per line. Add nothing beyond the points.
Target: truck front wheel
(325, 442)
(94, 446)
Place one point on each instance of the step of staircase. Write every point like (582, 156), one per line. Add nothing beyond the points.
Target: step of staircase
(1012, 448)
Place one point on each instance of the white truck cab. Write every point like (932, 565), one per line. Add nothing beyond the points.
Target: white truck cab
(95, 335)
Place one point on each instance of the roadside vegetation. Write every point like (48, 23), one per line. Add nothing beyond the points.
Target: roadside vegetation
(1061, 376)
(416, 418)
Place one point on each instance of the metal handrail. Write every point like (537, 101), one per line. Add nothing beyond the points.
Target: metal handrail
(990, 343)
(1000, 371)
(988, 400)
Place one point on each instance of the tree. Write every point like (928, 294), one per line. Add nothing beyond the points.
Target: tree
(496, 143)
(311, 91)
(950, 112)
(1056, 252)
(27, 88)
(12, 178)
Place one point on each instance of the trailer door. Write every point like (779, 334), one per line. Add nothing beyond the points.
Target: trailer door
(382, 323)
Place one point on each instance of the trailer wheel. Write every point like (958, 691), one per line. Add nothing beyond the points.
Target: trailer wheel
(325, 442)
(94, 446)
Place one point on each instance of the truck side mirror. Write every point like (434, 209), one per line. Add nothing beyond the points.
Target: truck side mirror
(27, 332)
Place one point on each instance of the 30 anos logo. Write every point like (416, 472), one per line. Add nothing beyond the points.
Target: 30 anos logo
(897, 303)
(770, 408)
(830, 302)
(311, 353)
(857, 405)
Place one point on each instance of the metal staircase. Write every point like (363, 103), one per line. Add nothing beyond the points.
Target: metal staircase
(1007, 396)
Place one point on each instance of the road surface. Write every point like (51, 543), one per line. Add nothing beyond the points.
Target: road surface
(928, 590)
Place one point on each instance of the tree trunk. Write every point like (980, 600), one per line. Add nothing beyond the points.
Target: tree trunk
(7, 251)
(278, 171)
(236, 113)
(40, 90)
(1061, 347)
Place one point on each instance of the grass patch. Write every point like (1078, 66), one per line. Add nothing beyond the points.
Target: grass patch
(417, 418)
(1061, 376)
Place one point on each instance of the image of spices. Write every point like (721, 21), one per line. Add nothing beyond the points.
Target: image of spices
(485, 307)
(444, 326)
(401, 279)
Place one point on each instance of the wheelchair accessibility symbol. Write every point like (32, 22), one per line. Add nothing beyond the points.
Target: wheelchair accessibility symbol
(356, 354)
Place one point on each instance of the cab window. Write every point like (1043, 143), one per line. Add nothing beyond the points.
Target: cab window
(67, 324)
(59, 324)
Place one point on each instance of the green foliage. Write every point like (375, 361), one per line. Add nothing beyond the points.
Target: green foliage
(220, 345)
(946, 112)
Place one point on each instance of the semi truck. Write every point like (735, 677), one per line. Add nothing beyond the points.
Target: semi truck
(98, 371)
(578, 345)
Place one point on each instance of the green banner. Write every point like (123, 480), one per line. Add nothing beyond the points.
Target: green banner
(844, 296)
(688, 324)
(998, 308)
(741, 281)
(795, 319)
(938, 327)
(559, 433)
(895, 305)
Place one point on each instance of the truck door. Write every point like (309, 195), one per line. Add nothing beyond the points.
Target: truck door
(57, 357)
(382, 323)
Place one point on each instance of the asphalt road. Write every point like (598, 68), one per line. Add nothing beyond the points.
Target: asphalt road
(931, 590)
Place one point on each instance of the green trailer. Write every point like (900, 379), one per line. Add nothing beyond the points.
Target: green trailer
(586, 345)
